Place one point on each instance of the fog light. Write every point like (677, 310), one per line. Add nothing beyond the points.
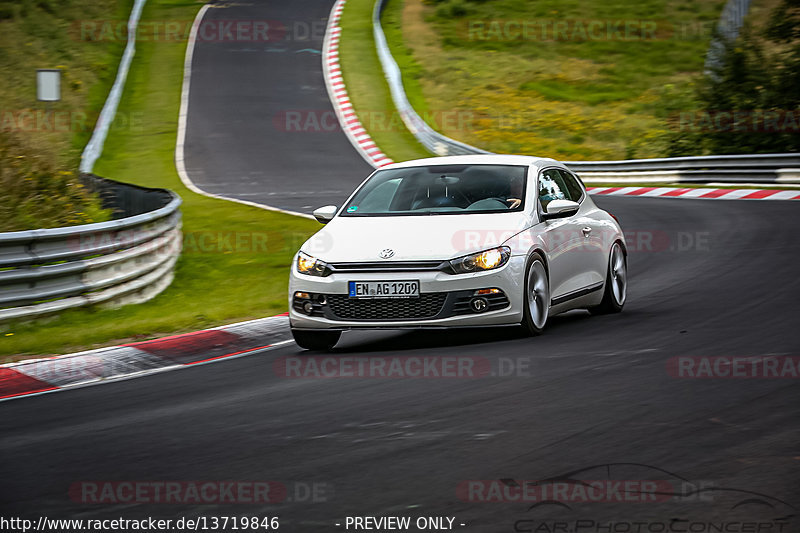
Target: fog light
(479, 305)
(308, 307)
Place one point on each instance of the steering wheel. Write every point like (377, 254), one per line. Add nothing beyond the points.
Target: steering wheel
(500, 201)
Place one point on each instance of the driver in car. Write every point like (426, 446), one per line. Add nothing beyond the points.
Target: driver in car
(515, 193)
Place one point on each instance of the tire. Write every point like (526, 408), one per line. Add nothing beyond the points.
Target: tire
(318, 341)
(616, 290)
(537, 296)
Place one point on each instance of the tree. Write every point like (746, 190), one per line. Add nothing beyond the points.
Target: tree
(751, 102)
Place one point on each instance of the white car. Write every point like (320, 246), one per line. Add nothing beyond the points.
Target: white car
(481, 240)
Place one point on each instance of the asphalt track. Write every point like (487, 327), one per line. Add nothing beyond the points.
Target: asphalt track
(707, 278)
(260, 124)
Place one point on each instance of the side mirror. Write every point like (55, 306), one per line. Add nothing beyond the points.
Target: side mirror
(560, 209)
(325, 214)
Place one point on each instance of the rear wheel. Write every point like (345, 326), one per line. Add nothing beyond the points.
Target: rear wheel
(537, 296)
(616, 290)
(319, 341)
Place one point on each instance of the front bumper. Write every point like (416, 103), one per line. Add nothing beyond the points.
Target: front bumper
(441, 303)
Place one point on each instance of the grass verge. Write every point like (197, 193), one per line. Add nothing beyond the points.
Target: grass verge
(367, 87)
(534, 79)
(45, 35)
(455, 87)
(40, 143)
(236, 258)
(562, 96)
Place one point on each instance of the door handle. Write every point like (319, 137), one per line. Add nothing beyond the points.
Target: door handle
(586, 231)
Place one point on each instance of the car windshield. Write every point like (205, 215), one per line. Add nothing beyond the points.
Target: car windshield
(440, 190)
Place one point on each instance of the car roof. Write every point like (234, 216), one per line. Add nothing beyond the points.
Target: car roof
(480, 159)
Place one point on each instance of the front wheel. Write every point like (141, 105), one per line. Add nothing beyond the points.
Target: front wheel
(616, 290)
(537, 296)
(319, 341)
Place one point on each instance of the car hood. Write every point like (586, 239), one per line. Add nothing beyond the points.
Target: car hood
(412, 238)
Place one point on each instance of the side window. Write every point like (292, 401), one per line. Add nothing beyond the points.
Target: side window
(552, 187)
(574, 188)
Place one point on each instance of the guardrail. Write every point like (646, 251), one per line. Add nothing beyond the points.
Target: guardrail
(92, 151)
(431, 139)
(741, 168)
(758, 162)
(737, 168)
(126, 260)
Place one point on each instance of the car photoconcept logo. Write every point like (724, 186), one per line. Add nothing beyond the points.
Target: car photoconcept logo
(388, 253)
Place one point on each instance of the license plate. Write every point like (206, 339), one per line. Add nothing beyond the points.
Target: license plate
(383, 289)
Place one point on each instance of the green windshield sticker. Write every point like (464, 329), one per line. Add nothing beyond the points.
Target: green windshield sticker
(352, 208)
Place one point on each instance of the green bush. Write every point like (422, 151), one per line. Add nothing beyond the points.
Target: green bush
(39, 194)
(759, 78)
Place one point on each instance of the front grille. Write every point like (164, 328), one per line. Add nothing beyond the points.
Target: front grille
(425, 306)
(388, 266)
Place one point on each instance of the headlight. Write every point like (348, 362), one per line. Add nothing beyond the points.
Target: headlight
(311, 265)
(487, 260)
